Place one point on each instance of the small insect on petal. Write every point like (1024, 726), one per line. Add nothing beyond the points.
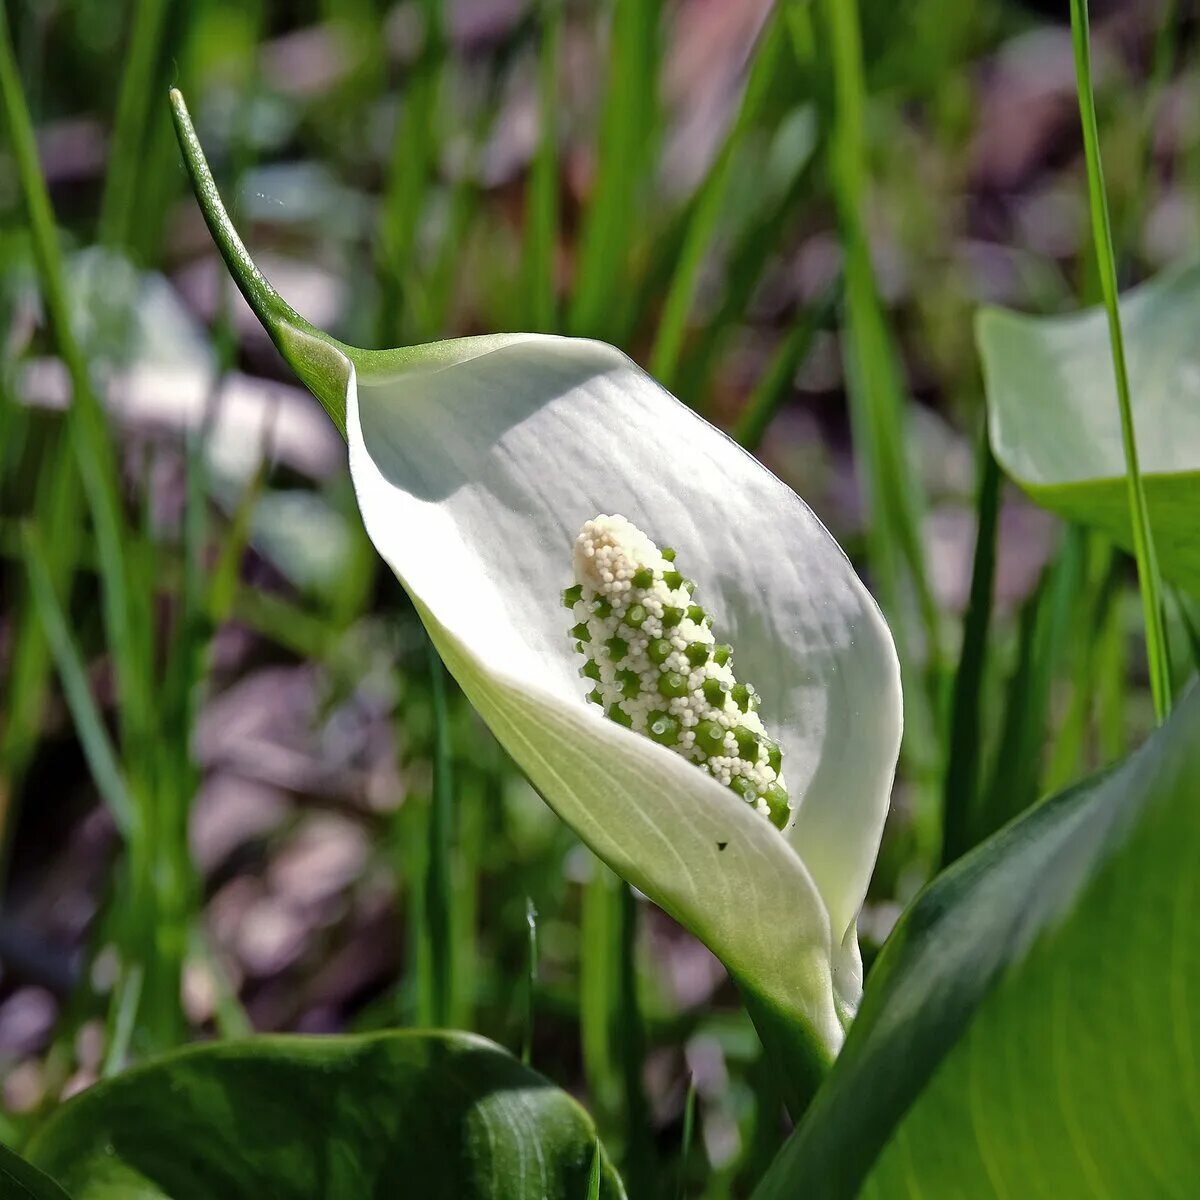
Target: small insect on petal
(658, 667)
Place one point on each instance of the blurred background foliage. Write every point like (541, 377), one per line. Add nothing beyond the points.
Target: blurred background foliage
(236, 790)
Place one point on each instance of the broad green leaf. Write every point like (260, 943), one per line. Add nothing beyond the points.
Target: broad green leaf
(1055, 424)
(21, 1181)
(1031, 1028)
(435, 1115)
(475, 463)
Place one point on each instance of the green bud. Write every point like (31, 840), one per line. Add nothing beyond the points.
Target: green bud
(659, 651)
(777, 804)
(774, 757)
(697, 653)
(673, 579)
(671, 616)
(595, 697)
(572, 595)
(710, 737)
(630, 683)
(722, 654)
(672, 685)
(582, 632)
(643, 578)
(747, 744)
(590, 670)
(602, 608)
(635, 616)
(714, 692)
(696, 613)
(744, 696)
(617, 648)
(663, 728)
(744, 788)
(668, 553)
(618, 714)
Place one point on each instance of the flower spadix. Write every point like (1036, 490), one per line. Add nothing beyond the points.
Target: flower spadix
(477, 463)
(657, 667)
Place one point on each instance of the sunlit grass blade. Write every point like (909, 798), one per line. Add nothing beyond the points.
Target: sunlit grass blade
(541, 214)
(966, 729)
(664, 358)
(85, 713)
(1143, 539)
(628, 126)
(893, 496)
(86, 420)
(774, 386)
(128, 141)
(413, 163)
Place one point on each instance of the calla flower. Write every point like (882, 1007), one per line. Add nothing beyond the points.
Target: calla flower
(476, 464)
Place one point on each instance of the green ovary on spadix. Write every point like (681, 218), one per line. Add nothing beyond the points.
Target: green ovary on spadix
(655, 665)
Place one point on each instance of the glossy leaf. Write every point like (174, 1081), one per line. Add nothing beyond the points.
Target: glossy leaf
(1055, 423)
(435, 1115)
(20, 1180)
(1032, 1027)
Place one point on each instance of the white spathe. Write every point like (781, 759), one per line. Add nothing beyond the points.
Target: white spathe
(476, 462)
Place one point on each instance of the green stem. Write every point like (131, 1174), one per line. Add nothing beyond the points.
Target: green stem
(321, 361)
(1143, 538)
(961, 783)
(438, 878)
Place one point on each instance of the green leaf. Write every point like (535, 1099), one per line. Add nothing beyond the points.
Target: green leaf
(334, 1118)
(21, 1181)
(1056, 426)
(1031, 1028)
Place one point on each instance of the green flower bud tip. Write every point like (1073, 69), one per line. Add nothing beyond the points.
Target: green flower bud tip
(674, 689)
(630, 682)
(659, 650)
(635, 616)
(617, 648)
(663, 728)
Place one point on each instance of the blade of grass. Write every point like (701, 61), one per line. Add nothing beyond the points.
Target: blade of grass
(962, 765)
(89, 725)
(689, 1125)
(1149, 580)
(1015, 781)
(776, 382)
(439, 872)
(764, 61)
(413, 162)
(542, 217)
(531, 972)
(128, 141)
(88, 430)
(628, 125)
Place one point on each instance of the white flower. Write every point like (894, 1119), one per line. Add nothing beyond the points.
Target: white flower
(476, 463)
